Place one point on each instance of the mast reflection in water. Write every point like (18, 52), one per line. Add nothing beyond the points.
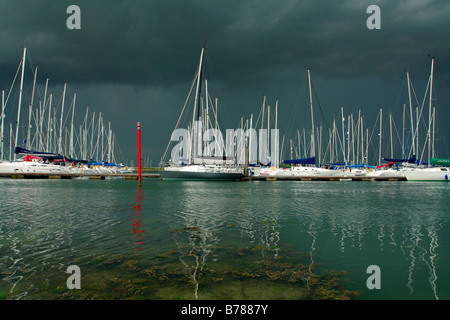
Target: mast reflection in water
(222, 240)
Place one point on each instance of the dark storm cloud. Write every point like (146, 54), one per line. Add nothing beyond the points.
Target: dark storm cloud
(155, 42)
(141, 55)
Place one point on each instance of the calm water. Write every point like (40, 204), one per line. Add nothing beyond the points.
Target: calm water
(223, 240)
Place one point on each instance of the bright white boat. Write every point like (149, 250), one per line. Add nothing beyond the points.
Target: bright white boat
(436, 169)
(300, 171)
(200, 167)
(427, 174)
(385, 172)
(37, 167)
(201, 172)
(270, 171)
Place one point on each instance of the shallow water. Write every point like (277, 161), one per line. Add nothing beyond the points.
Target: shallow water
(224, 240)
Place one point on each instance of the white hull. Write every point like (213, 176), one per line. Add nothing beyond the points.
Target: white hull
(427, 174)
(36, 167)
(311, 172)
(389, 173)
(201, 172)
(30, 167)
(297, 172)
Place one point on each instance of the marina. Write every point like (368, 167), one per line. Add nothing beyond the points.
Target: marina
(130, 176)
(269, 152)
(135, 177)
(201, 153)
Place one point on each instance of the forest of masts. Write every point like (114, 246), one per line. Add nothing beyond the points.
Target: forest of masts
(50, 123)
(353, 140)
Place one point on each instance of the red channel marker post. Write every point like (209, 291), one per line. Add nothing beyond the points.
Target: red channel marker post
(139, 153)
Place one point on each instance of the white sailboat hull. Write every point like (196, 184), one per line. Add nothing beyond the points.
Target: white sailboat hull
(427, 174)
(201, 172)
(29, 167)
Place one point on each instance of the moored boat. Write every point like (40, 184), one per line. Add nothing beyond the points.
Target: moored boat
(198, 166)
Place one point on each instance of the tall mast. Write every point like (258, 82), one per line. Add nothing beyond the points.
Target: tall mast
(91, 154)
(349, 126)
(109, 143)
(207, 106)
(20, 99)
(71, 153)
(319, 132)
(216, 143)
(381, 127)
(2, 117)
(30, 111)
(268, 131)
(10, 141)
(41, 117)
(403, 130)
(49, 123)
(343, 135)
(85, 135)
(411, 115)
(196, 114)
(333, 141)
(429, 112)
(390, 135)
(362, 141)
(276, 147)
(434, 124)
(61, 122)
(313, 144)
(418, 115)
(367, 146)
(199, 85)
(352, 126)
(357, 137)
(262, 116)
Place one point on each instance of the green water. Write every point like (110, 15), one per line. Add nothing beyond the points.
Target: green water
(224, 240)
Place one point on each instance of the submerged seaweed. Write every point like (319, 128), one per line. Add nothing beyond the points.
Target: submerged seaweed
(239, 274)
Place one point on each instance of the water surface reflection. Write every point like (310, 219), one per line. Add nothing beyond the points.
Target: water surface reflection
(218, 240)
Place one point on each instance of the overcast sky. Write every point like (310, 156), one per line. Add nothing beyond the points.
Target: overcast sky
(135, 60)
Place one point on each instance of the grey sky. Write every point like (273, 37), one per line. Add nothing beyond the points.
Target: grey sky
(134, 60)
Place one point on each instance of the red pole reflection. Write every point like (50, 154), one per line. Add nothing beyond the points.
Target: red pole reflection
(136, 218)
(139, 153)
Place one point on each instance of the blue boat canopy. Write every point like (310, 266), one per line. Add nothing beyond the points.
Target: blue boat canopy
(311, 160)
(357, 166)
(20, 150)
(410, 160)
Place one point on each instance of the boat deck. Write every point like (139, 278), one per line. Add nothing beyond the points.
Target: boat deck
(315, 178)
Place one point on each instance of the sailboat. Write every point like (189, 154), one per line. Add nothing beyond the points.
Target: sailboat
(306, 167)
(29, 163)
(435, 169)
(23, 160)
(198, 166)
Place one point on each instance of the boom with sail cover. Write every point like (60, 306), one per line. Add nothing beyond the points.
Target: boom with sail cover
(410, 160)
(20, 150)
(311, 160)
